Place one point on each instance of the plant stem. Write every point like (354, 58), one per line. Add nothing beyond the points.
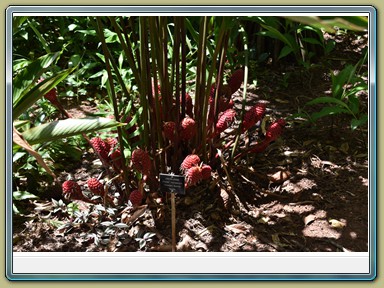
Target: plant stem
(200, 80)
(239, 129)
(100, 31)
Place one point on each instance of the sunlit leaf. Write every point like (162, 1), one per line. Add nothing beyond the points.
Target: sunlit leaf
(327, 111)
(285, 51)
(22, 195)
(327, 100)
(66, 128)
(31, 74)
(22, 103)
(359, 122)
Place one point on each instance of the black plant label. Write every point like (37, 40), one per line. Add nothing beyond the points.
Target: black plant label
(172, 183)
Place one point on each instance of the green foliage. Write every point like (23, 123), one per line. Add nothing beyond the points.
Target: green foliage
(329, 23)
(30, 109)
(345, 86)
(301, 37)
(25, 80)
(20, 196)
(147, 237)
(26, 100)
(66, 128)
(23, 195)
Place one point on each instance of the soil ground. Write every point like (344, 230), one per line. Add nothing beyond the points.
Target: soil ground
(307, 192)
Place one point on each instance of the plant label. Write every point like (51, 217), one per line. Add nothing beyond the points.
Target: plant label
(172, 183)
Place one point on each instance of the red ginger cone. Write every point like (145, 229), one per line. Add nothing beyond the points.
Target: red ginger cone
(253, 115)
(141, 161)
(135, 197)
(188, 129)
(188, 105)
(190, 161)
(235, 80)
(101, 148)
(117, 160)
(169, 129)
(193, 176)
(72, 190)
(206, 171)
(274, 130)
(225, 119)
(95, 186)
(110, 143)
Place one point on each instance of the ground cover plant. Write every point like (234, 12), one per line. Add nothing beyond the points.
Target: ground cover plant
(265, 117)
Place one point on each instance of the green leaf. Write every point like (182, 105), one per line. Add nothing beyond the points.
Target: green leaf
(358, 122)
(339, 80)
(312, 28)
(327, 111)
(312, 41)
(110, 36)
(98, 74)
(274, 33)
(17, 21)
(38, 91)
(22, 195)
(285, 51)
(18, 155)
(66, 128)
(87, 32)
(142, 243)
(327, 100)
(31, 74)
(330, 46)
(19, 64)
(72, 208)
(72, 27)
(148, 235)
(15, 210)
(136, 133)
(354, 104)
(20, 123)
(134, 119)
(356, 23)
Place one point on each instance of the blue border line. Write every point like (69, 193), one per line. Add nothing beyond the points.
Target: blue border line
(196, 9)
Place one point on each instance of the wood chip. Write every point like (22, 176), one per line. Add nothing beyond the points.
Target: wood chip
(239, 228)
(279, 177)
(225, 197)
(308, 220)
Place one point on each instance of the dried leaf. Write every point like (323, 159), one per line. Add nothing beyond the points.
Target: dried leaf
(276, 239)
(263, 220)
(239, 228)
(336, 223)
(225, 197)
(162, 248)
(279, 177)
(344, 147)
(19, 140)
(140, 211)
(43, 206)
(185, 244)
(201, 245)
(308, 142)
(362, 155)
(308, 220)
(188, 201)
(215, 216)
(121, 225)
(282, 101)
